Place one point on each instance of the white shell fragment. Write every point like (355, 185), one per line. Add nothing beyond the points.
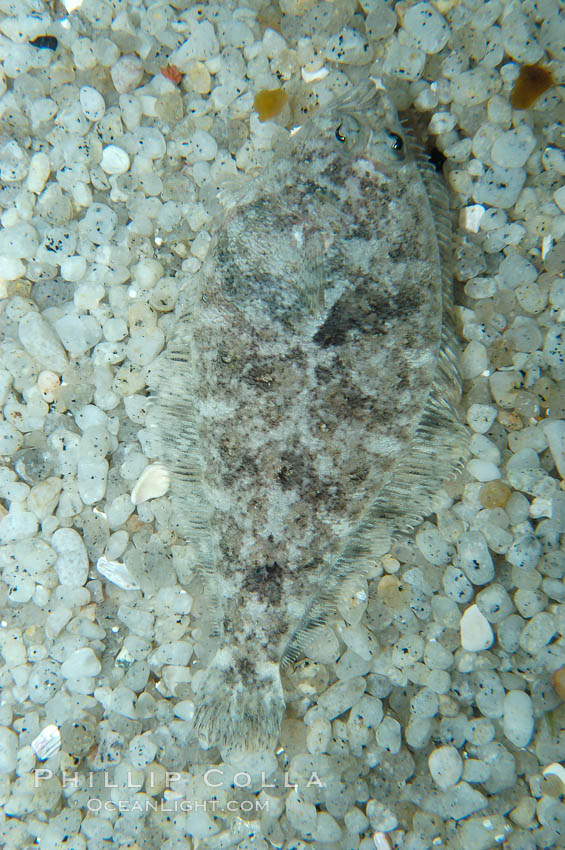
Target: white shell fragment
(153, 482)
(476, 633)
(117, 573)
(556, 769)
(47, 743)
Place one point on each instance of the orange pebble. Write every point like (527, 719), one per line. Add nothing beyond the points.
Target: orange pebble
(558, 682)
(269, 103)
(532, 82)
(171, 72)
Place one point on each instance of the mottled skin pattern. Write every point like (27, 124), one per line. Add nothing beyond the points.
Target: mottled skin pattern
(314, 343)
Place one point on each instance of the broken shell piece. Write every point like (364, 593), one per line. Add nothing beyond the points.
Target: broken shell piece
(47, 743)
(153, 482)
(382, 841)
(313, 75)
(556, 769)
(117, 573)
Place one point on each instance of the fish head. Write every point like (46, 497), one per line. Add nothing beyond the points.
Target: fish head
(361, 123)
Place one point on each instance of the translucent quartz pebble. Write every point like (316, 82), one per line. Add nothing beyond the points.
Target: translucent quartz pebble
(389, 735)
(381, 20)
(127, 73)
(117, 573)
(525, 552)
(72, 563)
(538, 632)
(530, 602)
(476, 633)
(518, 722)
(92, 103)
(341, 696)
(142, 750)
(499, 186)
(490, 694)
(403, 60)
(474, 558)
(456, 585)
(348, 47)
(427, 27)
(518, 39)
(480, 417)
(92, 476)
(512, 149)
(446, 766)
(495, 603)
(47, 743)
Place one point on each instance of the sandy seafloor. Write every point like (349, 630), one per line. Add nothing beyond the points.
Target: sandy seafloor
(435, 743)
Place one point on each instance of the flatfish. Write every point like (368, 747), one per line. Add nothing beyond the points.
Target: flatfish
(306, 404)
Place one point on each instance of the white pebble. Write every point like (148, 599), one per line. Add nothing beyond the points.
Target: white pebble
(201, 44)
(474, 360)
(476, 633)
(17, 525)
(446, 767)
(8, 750)
(127, 73)
(483, 470)
(81, 662)
(518, 723)
(92, 103)
(73, 268)
(427, 27)
(480, 417)
(19, 241)
(39, 168)
(114, 160)
(72, 563)
(142, 750)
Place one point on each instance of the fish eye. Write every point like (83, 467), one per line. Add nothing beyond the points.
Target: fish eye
(397, 142)
(338, 134)
(347, 131)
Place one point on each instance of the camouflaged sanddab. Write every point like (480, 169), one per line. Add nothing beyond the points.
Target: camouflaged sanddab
(307, 399)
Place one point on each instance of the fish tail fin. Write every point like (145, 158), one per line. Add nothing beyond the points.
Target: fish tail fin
(240, 703)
